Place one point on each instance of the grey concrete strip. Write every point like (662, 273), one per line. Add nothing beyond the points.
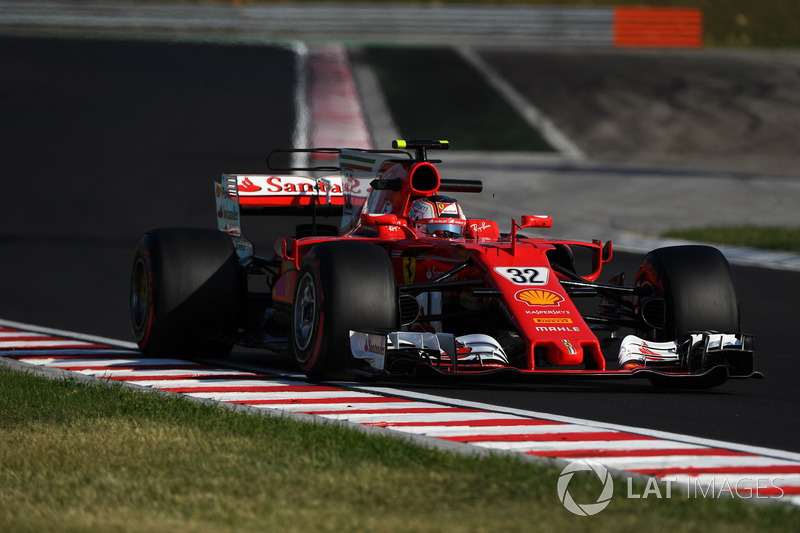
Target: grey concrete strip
(629, 205)
(368, 22)
(736, 255)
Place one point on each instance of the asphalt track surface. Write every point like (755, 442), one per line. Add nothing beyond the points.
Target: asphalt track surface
(104, 140)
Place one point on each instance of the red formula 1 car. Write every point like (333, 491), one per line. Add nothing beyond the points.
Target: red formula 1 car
(407, 285)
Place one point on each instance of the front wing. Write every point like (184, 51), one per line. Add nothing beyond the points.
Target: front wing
(697, 360)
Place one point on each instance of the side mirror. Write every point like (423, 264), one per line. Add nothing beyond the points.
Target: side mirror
(536, 221)
(368, 219)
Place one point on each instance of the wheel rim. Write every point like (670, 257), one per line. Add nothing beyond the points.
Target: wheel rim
(139, 289)
(305, 312)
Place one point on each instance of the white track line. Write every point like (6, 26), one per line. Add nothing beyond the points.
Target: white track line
(533, 116)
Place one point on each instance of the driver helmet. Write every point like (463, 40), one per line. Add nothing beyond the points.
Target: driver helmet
(440, 216)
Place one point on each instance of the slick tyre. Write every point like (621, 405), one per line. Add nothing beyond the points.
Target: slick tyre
(695, 291)
(341, 286)
(186, 291)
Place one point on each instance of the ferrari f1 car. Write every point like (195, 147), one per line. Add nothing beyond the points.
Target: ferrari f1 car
(407, 284)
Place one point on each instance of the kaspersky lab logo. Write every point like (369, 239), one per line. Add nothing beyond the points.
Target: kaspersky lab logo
(585, 509)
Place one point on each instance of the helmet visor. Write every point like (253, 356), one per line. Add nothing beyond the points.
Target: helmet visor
(443, 226)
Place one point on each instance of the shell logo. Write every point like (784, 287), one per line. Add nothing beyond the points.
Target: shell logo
(534, 297)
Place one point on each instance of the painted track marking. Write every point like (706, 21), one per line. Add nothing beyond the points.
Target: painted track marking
(682, 459)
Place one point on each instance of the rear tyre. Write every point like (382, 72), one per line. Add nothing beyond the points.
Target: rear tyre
(186, 290)
(696, 286)
(341, 286)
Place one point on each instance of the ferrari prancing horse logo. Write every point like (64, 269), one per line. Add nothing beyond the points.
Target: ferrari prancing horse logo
(409, 269)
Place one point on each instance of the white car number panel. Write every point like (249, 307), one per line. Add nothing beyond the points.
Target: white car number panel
(525, 275)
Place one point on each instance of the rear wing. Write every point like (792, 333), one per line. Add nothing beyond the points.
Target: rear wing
(254, 194)
(346, 191)
(279, 195)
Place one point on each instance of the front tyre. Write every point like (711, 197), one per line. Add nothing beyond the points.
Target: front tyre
(341, 286)
(186, 290)
(693, 289)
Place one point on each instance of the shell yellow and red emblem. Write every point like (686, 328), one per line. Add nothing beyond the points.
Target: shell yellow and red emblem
(534, 297)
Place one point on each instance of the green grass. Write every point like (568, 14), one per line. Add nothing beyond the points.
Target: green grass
(768, 238)
(461, 106)
(77, 457)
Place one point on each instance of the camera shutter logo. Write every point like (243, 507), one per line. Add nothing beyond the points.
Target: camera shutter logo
(586, 509)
